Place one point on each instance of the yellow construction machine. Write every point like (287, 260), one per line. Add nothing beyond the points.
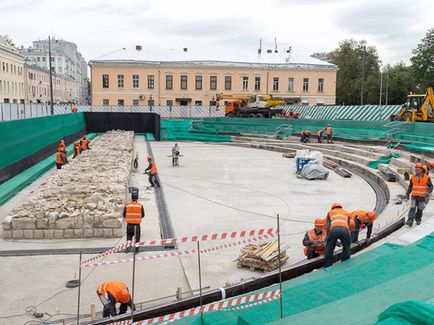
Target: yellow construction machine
(244, 105)
(418, 108)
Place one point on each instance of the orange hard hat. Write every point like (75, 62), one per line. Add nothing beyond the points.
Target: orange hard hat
(336, 205)
(418, 165)
(320, 222)
(371, 215)
(124, 295)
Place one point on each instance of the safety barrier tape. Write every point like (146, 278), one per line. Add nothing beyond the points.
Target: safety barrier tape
(184, 252)
(186, 239)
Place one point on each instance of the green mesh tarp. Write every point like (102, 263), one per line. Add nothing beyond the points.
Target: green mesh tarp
(182, 130)
(383, 160)
(353, 292)
(409, 312)
(21, 138)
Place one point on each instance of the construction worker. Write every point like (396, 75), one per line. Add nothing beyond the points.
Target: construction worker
(329, 133)
(133, 214)
(305, 134)
(151, 170)
(319, 135)
(175, 155)
(76, 149)
(428, 167)
(314, 240)
(59, 160)
(84, 143)
(64, 156)
(361, 219)
(420, 189)
(112, 292)
(74, 109)
(337, 225)
(61, 145)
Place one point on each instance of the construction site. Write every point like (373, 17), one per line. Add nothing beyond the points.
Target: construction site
(221, 239)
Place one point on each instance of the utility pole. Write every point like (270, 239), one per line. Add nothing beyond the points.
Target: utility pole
(51, 75)
(387, 86)
(363, 75)
(381, 93)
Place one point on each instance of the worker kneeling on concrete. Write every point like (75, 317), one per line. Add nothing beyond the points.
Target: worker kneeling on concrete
(305, 134)
(112, 292)
(314, 240)
(133, 214)
(361, 219)
(420, 189)
(338, 227)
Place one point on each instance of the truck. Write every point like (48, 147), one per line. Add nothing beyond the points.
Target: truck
(244, 105)
(418, 108)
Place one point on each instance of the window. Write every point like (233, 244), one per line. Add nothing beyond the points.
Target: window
(135, 81)
(245, 83)
(198, 103)
(169, 102)
(275, 84)
(135, 102)
(120, 81)
(120, 102)
(290, 84)
(169, 81)
(150, 102)
(257, 83)
(151, 82)
(320, 85)
(43, 59)
(213, 83)
(198, 84)
(183, 82)
(228, 82)
(105, 80)
(305, 84)
(39, 59)
(105, 102)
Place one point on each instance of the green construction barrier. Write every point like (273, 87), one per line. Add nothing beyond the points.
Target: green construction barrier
(409, 312)
(383, 160)
(21, 138)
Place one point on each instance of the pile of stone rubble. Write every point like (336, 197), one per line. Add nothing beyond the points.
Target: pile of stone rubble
(84, 199)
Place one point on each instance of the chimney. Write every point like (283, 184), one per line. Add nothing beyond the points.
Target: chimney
(138, 47)
(185, 49)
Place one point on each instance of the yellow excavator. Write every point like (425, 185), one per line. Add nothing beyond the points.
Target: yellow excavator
(418, 108)
(244, 105)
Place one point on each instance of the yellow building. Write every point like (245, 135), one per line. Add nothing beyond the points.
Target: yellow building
(12, 86)
(183, 79)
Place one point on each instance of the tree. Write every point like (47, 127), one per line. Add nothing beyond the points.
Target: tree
(348, 58)
(8, 40)
(423, 62)
(401, 83)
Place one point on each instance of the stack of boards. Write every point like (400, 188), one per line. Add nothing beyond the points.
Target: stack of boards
(264, 256)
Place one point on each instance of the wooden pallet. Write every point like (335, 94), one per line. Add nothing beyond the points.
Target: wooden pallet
(263, 257)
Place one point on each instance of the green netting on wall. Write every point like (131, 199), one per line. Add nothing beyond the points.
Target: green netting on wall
(383, 160)
(21, 138)
(182, 130)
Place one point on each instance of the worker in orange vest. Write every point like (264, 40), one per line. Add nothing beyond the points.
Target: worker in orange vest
(361, 219)
(338, 227)
(133, 214)
(111, 293)
(314, 240)
(428, 167)
(305, 134)
(329, 133)
(59, 159)
(151, 170)
(319, 135)
(61, 145)
(74, 109)
(84, 143)
(420, 189)
(76, 149)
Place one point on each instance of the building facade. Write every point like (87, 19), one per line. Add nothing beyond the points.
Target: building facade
(196, 82)
(12, 78)
(66, 61)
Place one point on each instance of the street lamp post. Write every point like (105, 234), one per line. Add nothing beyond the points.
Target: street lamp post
(381, 93)
(51, 76)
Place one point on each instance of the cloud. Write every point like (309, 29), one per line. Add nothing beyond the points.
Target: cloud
(13, 6)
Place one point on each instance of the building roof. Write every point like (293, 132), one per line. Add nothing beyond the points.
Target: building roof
(5, 46)
(214, 58)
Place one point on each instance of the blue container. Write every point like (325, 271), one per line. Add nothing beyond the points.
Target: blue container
(301, 162)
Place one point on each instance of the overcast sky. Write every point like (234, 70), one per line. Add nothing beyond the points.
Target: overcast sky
(102, 26)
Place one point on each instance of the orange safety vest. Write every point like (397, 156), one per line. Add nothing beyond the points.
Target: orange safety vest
(339, 218)
(153, 168)
(361, 215)
(320, 133)
(313, 236)
(62, 147)
(59, 160)
(84, 143)
(420, 188)
(113, 287)
(328, 130)
(133, 213)
(76, 149)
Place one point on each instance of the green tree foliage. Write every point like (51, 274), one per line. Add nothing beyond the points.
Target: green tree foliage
(400, 83)
(348, 58)
(423, 62)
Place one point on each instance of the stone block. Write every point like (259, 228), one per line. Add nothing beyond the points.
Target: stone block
(23, 223)
(42, 223)
(98, 232)
(78, 224)
(78, 233)
(97, 222)
(7, 234)
(68, 233)
(118, 232)
(87, 222)
(112, 223)
(38, 234)
(58, 234)
(108, 232)
(49, 234)
(28, 234)
(7, 223)
(18, 234)
(88, 233)
(67, 223)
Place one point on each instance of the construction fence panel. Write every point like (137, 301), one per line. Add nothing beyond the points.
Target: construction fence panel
(15, 111)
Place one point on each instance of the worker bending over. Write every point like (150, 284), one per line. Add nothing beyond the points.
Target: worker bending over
(319, 135)
(361, 219)
(337, 224)
(84, 143)
(428, 167)
(314, 240)
(76, 149)
(59, 159)
(305, 134)
(175, 155)
(112, 292)
(151, 170)
(133, 214)
(420, 189)
(329, 133)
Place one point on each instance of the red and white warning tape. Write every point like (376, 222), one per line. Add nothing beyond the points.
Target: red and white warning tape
(184, 252)
(187, 239)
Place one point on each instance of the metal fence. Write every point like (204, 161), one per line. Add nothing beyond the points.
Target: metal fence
(13, 111)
